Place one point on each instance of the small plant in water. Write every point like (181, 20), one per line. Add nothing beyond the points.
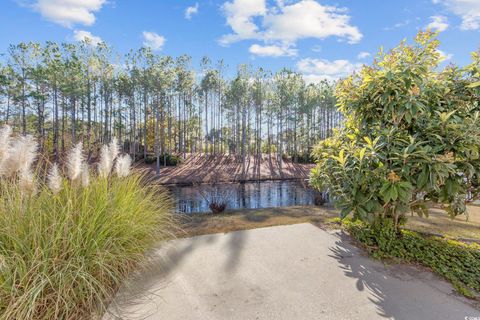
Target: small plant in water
(217, 207)
(216, 195)
(320, 198)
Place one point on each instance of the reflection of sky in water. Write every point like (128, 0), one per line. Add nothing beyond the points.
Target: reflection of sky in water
(248, 195)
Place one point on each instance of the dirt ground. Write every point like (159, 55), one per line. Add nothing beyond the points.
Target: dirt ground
(462, 227)
(437, 223)
(228, 168)
(198, 224)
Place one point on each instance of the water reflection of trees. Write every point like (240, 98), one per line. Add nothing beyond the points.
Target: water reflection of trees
(245, 195)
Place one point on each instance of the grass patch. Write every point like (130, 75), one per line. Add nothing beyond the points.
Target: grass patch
(198, 224)
(63, 255)
(438, 222)
(456, 261)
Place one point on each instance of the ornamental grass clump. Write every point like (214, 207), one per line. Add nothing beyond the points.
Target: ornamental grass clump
(69, 238)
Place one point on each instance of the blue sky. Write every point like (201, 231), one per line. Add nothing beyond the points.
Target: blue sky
(322, 38)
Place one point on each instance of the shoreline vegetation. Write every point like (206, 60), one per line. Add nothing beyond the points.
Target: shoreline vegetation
(437, 224)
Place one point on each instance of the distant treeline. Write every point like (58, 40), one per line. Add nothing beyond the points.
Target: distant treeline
(156, 104)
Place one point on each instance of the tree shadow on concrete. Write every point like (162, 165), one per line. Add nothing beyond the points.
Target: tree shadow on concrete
(142, 286)
(353, 268)
(400, 292)
(235, 246)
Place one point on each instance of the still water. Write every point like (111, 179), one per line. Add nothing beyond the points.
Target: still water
(248, 195)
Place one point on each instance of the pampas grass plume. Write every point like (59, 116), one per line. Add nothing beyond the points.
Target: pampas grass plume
(20, 156)
(122, 166)
(108, 154)
(55, 179)
(75, 162)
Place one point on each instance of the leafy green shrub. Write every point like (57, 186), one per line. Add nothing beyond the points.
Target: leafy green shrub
(456, 261)
(411, 136)
(269, 148)
(303, 158)
(67, 244)
(165, 159)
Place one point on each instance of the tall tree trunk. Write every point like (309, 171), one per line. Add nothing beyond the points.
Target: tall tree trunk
(157, 142)
(7, 115)
(89, 118)
(206, 124)
(74, 120)
(145, 115)
(244, 136)
(24, 117)
(55, 122)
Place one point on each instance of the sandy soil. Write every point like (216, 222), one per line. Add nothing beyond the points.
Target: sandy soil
(225, 168)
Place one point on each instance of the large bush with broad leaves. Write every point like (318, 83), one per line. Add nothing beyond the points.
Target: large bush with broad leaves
(411, 136)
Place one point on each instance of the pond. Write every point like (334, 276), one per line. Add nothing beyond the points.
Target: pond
(248, 195)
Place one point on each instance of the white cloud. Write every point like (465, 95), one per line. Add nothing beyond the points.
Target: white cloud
(438, 23)
(444, 56)
(190, 11)
(272, 50)
(363, 55)
(309, 19)
(82, 35)
(69, 12)
(323, 66)
(318, 69)
(153, 40)
(468, 10)
(240, 14)
(398, 25)
(287, 22)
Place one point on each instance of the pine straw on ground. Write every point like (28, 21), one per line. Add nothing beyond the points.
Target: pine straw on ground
(228, 168)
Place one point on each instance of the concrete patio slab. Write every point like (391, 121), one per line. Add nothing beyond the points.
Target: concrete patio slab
(284, 272)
